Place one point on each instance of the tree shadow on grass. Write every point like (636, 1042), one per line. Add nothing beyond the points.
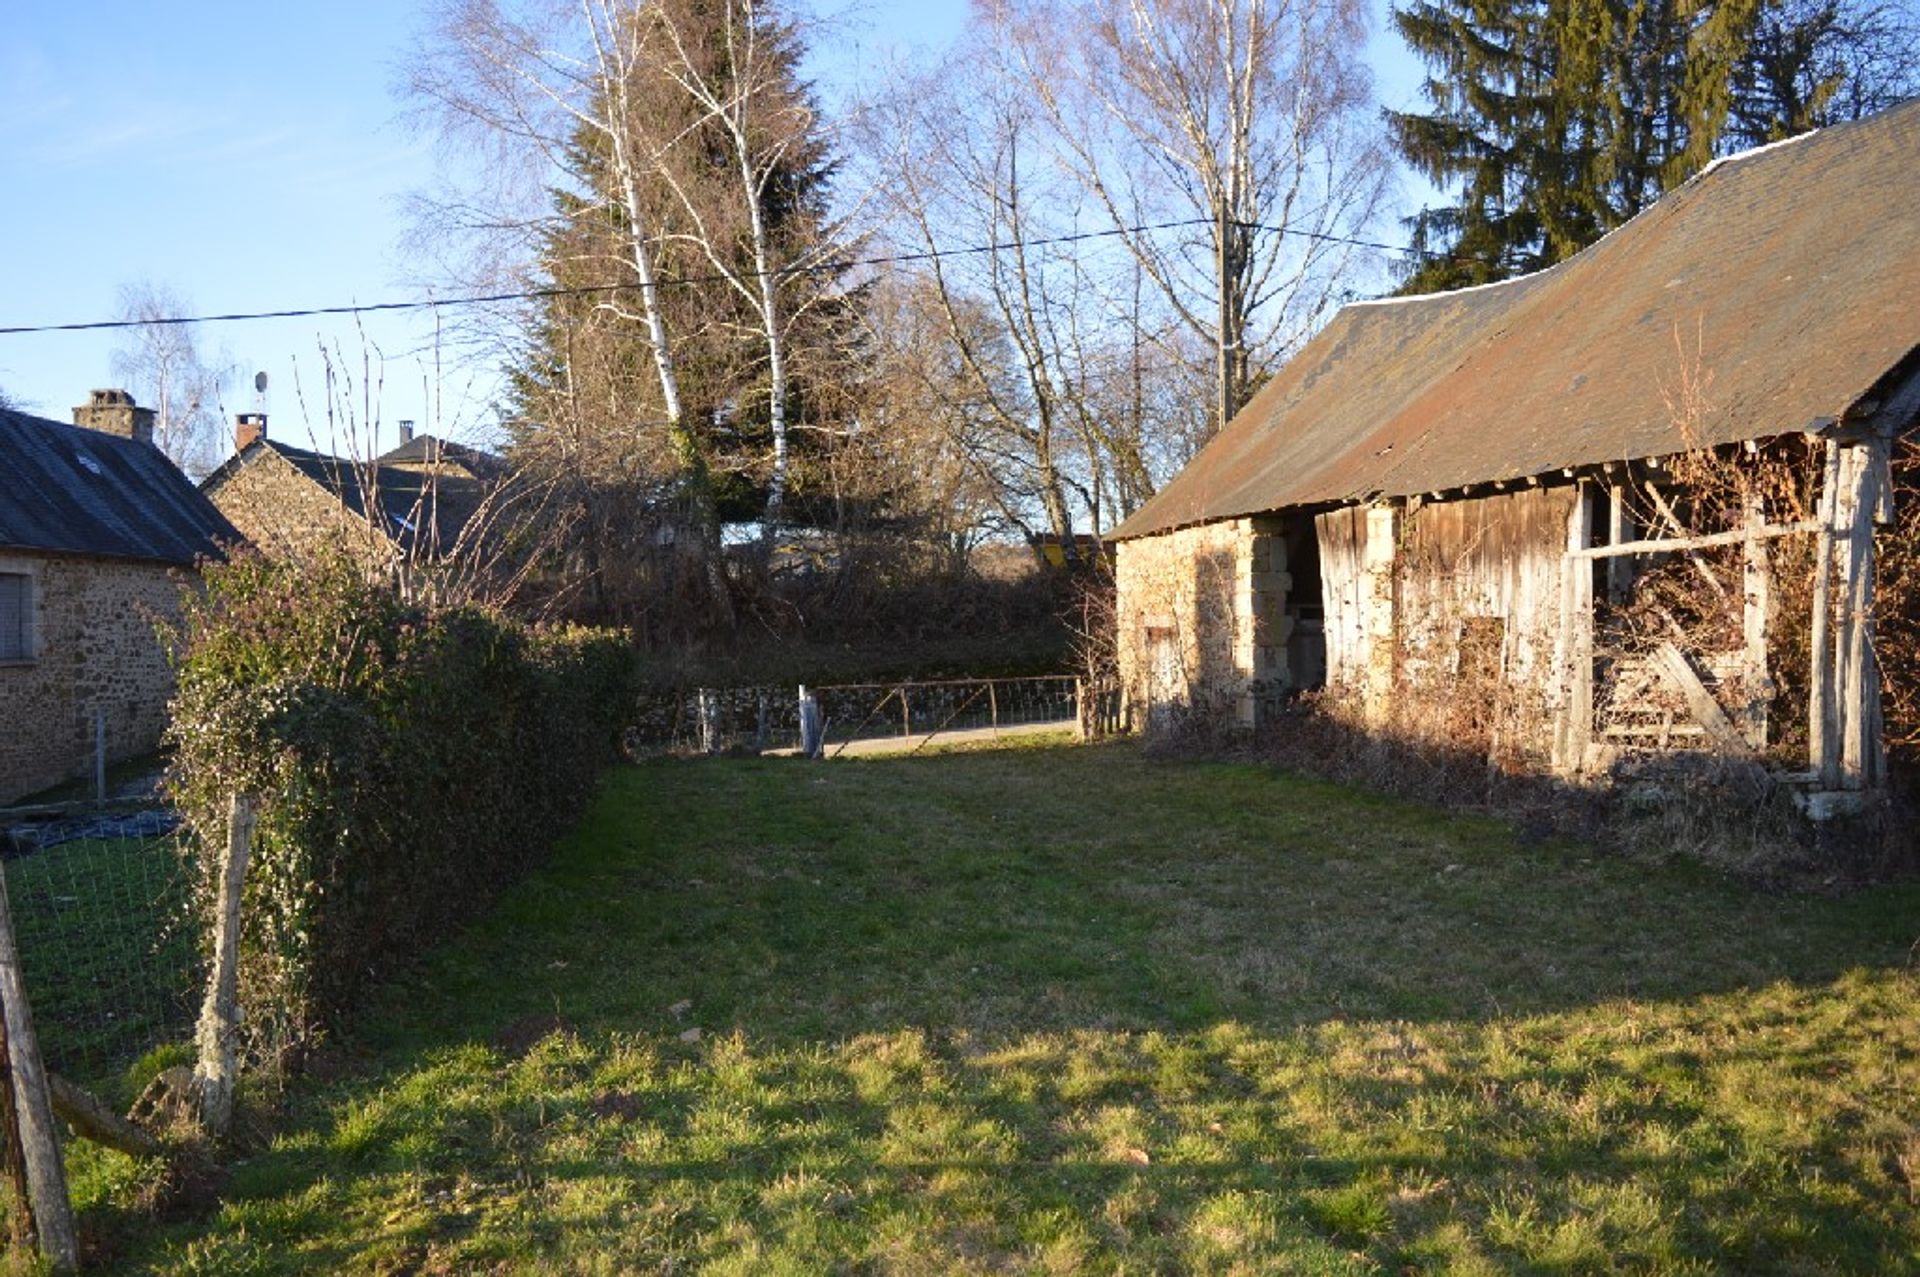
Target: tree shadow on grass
(954, 1012)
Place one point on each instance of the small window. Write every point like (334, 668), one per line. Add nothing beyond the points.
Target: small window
(16, 616)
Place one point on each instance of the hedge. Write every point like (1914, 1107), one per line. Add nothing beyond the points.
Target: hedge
(409, 763)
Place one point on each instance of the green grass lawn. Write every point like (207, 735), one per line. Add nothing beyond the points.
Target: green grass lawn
(1068, 1009)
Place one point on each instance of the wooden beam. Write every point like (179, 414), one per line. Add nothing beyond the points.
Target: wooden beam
(1670, 545)
(1706, 711)
(78, 1108)
(1699, 564)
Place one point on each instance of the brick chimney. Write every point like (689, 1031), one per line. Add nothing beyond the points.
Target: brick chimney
(247, 427)
(406, 433)
(113, 412)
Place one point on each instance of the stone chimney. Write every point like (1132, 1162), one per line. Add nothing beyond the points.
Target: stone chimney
(247, 427)
(406, 433)
(113, 412)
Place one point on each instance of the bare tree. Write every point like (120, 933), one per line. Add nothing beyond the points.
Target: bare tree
(1171, 191)
(964, 165)
(1811, 63)
(737, 68)
(533, 86)
(161, 363)
(1251, 122)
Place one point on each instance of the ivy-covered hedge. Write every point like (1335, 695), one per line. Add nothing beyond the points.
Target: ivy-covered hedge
(409, 763)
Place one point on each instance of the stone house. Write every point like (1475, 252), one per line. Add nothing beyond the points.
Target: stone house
(416, 500)
(99, 533)
(1447, 501)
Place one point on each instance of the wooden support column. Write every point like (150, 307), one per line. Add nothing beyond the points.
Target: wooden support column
(1757, 592)
(1573, 726)
(1856, 674)
(1379, 587)
(1620, 530)
(1823, 733)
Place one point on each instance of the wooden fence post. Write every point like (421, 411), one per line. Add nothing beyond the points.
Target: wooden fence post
(216, 1070)
(33, 1108)
(100, 755)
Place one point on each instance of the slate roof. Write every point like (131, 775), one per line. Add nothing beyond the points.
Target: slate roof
(1786, 280)
(432, 450)
(78, 491)
(409, 504)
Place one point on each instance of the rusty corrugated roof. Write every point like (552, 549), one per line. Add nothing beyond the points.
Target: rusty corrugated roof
(1784, 283)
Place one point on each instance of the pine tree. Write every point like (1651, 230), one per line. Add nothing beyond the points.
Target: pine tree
(1557, 120)
(584, 367)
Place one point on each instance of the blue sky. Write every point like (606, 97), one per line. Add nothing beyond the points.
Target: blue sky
(250, 157)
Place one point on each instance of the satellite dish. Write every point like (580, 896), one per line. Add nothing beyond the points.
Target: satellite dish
(260, 382)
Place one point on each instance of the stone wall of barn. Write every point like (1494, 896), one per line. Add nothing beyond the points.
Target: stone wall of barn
(1202, 621)
(283, 513)
(1440, 618)
(94, 646)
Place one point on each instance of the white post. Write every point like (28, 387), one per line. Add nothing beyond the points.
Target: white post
(812, 738)
(216, 1071)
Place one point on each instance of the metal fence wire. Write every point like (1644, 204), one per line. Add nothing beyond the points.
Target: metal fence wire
(911, 713)
(101, 908)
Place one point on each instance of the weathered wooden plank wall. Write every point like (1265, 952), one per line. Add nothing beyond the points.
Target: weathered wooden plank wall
(1495, 557)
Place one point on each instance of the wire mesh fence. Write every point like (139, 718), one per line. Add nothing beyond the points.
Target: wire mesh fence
(863, 715)
(101, 909)
(919, 712)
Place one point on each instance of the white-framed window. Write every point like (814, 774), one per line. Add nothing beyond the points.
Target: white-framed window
(16, 616)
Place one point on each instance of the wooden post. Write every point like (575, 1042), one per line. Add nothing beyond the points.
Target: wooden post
(1857, 678)
(1756, 615)
(100, 755)
(993, 709)
(1380, 580)
(33, 1107)
(906, 713)
(1573, 728)
(216, 1070)
(1823, 756)
(19, 1196)
(1080, 709)
(1619, 531)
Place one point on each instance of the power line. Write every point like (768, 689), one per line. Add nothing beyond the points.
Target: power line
(681, 281)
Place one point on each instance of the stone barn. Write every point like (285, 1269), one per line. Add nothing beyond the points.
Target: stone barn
(416, 499)
(99, 532)
(1623, 507)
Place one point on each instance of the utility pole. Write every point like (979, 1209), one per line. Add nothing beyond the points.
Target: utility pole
(1228, 258)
